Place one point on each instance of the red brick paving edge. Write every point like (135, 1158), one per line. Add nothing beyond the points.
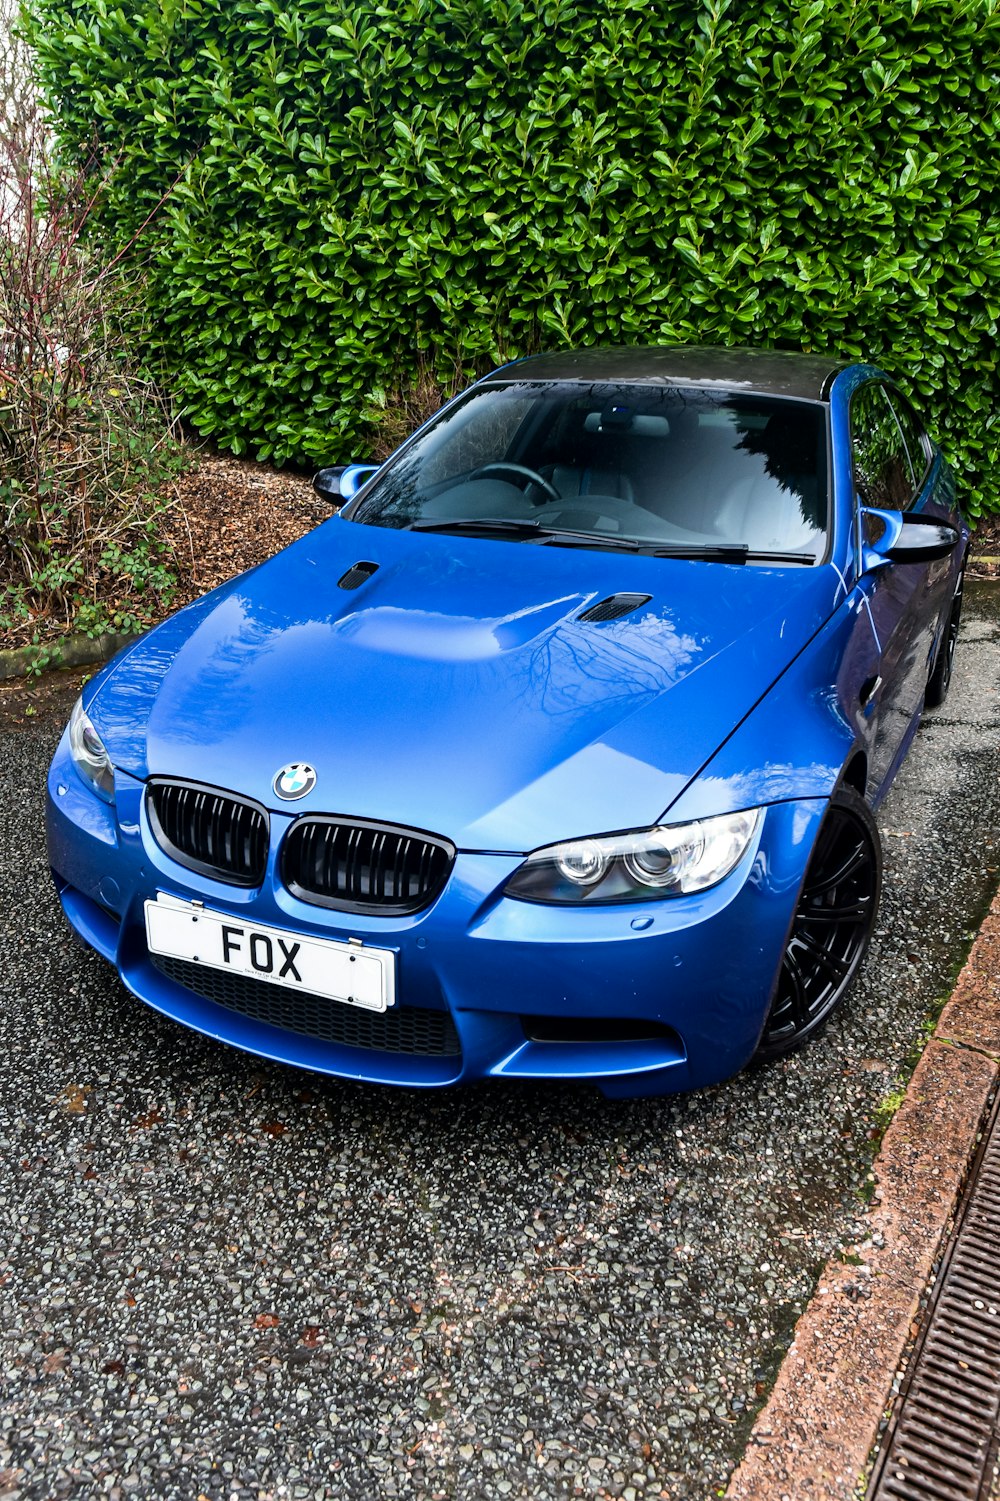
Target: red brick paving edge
(813, 1438)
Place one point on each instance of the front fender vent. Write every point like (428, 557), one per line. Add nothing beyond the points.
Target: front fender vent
(614, 607)
(356, 575)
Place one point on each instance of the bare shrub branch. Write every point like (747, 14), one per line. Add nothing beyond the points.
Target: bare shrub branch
(82, 437)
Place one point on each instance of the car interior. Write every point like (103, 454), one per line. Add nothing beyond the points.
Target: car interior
(750, 472)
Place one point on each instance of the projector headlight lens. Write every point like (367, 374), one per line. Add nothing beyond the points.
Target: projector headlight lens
(671, 860)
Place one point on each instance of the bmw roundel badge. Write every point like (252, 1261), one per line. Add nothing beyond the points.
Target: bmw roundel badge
(294, 780)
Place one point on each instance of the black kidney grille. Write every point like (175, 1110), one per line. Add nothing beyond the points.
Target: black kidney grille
(358, 866)
(401, 1029)
(209, 831)
(614, 607)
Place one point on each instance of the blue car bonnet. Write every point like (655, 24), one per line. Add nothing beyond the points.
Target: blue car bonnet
(457, 690)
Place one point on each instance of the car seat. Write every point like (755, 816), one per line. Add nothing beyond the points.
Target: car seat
(774, 503)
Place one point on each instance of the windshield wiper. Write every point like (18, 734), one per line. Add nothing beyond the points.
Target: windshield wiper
(705, 552)
(782, 557)
(708, 552)
(503, 528)
(702, 552)
(530, 531)
(534, 531)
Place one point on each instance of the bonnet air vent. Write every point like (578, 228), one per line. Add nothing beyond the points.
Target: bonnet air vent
(356, 575)
(614, 607)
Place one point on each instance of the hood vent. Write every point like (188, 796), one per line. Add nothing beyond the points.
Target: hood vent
(356, 575)
(614, 607)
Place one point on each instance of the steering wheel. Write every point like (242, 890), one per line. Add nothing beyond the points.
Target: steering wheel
(521, 472)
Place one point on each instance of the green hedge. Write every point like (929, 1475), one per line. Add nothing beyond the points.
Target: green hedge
(362, 195)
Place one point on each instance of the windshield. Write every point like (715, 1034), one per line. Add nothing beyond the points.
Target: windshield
(675, 469)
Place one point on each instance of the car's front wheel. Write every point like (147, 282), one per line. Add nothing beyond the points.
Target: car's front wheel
(832, 926)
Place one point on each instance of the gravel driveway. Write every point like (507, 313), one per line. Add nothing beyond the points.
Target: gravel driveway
(223, 1278)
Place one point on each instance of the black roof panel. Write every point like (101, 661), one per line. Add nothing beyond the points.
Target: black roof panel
(774, 372)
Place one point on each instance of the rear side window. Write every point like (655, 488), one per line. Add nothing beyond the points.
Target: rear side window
(918, 445)
(882, 471)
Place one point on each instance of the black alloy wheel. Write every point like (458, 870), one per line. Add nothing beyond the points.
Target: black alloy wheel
(940, 679)
(832, 926)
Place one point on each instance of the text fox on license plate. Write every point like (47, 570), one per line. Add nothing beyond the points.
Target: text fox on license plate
(351, 973)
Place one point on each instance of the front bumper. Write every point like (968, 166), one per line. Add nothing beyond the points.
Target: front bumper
(640, 999)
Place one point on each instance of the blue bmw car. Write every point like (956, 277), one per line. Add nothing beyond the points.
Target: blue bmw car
(553, 753)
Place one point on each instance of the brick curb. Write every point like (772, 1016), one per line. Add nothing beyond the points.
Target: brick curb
(814, 1436)
(65, 651)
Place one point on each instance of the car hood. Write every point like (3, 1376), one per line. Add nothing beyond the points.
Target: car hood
(457, 690)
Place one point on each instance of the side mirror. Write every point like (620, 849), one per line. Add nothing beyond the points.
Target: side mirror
(903, 537)
(341, 482)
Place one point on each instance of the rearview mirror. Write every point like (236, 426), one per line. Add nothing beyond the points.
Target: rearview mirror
(341, 482)
(903, 537)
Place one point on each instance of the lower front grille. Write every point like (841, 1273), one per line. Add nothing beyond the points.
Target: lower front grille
(401, 1029)
(597, 1029)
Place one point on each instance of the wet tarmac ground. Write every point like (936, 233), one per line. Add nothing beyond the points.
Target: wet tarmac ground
(223, 1278)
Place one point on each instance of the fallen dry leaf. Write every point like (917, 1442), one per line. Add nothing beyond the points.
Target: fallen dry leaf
(74, 1098)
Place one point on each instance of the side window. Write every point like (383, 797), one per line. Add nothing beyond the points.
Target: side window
(918, 445)
(882, 470)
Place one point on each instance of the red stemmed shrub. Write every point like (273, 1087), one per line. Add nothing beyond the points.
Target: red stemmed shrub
(85, 444)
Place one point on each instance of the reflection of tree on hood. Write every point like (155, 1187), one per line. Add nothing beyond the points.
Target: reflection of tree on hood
(576, 667)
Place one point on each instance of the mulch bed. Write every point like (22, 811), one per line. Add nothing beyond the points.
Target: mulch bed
(230, 515)
(984, 550)
(225, 515)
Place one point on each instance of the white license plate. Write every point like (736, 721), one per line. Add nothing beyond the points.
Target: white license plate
(351, 973)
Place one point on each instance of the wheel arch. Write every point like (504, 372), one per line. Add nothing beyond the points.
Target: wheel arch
(855, 773)
(788, 1025)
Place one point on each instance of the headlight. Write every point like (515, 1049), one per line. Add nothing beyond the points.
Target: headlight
(673, 860)
(89, 756)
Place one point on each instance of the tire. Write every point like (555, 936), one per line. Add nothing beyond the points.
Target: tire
(940, 679)
(832, 927)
